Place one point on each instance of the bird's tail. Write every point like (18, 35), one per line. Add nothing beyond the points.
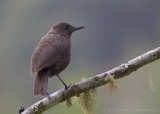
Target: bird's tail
(41, 83)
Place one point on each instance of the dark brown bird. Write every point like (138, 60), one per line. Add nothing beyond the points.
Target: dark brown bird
(52, 56)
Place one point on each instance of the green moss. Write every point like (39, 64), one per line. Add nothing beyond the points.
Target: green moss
(69, 102)
(87, 101)
(112, 84)
(39, 109)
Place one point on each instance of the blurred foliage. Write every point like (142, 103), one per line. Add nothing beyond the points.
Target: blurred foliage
(115, 31)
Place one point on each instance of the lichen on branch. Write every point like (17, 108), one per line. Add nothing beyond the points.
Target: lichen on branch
(94, 81)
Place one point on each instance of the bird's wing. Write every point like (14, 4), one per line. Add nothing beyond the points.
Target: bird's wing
(46, 54)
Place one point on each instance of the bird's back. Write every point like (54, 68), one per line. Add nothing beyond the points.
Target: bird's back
(53, 52)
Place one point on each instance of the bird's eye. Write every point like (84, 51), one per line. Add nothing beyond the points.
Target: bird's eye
(66, 27)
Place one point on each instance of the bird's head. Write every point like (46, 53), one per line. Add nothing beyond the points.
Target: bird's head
(66, 28)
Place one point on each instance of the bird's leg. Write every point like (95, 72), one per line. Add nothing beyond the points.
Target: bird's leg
(65, 86)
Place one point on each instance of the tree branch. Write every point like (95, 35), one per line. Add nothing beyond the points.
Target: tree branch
(94, 82)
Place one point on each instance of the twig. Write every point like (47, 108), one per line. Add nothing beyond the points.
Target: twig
(93, 82)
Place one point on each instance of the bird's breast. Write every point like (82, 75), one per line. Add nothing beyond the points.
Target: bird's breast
(60, 65)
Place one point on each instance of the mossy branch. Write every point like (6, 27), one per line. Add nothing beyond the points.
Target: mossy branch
(94, 82)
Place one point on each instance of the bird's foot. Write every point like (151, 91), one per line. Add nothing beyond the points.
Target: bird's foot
(66, 88)
(48, 95)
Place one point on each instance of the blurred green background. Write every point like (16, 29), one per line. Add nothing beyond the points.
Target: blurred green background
(115, 32)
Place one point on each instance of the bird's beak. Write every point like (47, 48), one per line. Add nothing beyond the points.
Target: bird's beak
(78, 27)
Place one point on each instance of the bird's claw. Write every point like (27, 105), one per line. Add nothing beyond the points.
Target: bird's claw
(48, 95)
(66, 88)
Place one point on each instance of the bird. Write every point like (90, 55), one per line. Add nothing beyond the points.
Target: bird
(51, 56)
